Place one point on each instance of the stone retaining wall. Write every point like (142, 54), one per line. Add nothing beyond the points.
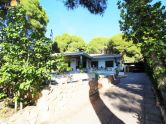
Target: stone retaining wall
(57, 102)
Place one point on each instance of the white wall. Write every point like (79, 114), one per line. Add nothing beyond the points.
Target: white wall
(101, 63)
(114, 65)
(88, 64)
(73, 64)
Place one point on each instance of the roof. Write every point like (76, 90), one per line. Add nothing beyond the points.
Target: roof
(95, 56)
(77, 54)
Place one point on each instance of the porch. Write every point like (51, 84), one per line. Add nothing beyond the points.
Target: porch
(80, 61)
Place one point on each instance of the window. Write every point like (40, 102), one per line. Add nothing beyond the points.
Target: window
(94, 64)
(109, 63)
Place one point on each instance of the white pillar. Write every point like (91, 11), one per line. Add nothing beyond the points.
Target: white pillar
(73, 64)
(114, 64)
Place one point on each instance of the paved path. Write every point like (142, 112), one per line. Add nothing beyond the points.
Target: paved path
(132, 101)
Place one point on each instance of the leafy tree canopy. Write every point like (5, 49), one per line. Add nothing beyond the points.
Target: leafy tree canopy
(131, 52)
(145, 22)
(70, 43)
(97, 45)
(94, 6)
(115, 45)
(25, 54)
(35, 14)
(4, 5)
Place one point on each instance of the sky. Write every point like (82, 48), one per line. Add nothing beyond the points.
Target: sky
(80, 21)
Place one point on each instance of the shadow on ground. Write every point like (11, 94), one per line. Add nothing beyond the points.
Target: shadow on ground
(134, 95)
(102, 111)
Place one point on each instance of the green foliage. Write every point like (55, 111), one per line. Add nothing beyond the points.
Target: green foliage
(94, 6)
(4, 4)
(97, 45)
(115, 45)
(145, 23)
(2, 95)
(156, 61)
(60, 65)
(143, 20)
(70, 43)
(131, 52)
(37, 17)
(25, 54)
(35, 14)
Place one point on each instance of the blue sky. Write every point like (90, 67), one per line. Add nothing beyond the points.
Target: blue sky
(80, 21)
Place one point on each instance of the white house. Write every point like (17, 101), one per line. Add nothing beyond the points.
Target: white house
(86, 61)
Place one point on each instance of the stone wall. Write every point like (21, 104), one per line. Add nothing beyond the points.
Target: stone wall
(57, 102)
(62, 100)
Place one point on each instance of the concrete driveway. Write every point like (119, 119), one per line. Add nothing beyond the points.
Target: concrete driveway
(132, 101)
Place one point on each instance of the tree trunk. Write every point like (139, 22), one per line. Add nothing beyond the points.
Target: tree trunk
(21, 105)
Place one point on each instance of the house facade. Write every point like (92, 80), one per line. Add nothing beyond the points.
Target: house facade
(77, 60)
